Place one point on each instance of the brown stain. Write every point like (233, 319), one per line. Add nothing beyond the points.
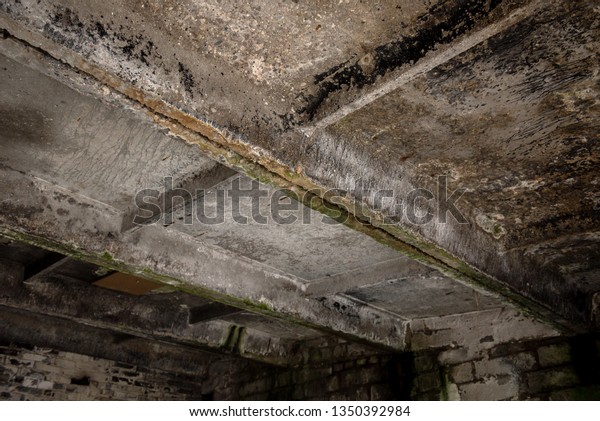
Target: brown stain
(129, 284)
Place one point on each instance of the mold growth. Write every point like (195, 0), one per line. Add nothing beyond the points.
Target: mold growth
(447, 23)
(187, 80)
(96, 31)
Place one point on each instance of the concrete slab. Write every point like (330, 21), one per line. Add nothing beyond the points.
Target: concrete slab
(424, 294)
(273, 229)
(512, 124)
(278, 59)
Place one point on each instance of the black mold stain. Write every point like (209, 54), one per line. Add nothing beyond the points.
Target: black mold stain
(101, 30)
(186, 78)
(449, 24)
(564, 220)
(66, 18)
(65, 22)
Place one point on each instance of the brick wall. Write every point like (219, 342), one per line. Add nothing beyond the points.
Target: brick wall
(337, 371)
(31, 373)
(362, 379)
(558, 368)
(555, 369)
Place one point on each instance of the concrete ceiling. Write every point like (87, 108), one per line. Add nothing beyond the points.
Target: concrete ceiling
(439, 160)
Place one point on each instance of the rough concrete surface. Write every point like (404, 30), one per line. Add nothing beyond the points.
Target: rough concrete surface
(440, 159)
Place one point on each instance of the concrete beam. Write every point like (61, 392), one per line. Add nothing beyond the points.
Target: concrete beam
(473, 333)
(380, 272)
(26, 328)
(164, 317)
(83, 229)
(443, 54)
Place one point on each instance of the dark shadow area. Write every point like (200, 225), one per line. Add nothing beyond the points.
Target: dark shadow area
(401, 374)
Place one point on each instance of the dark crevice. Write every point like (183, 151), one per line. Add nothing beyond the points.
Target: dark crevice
(401, 374)
(39, 265)
(81, 381)
(585, 356)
